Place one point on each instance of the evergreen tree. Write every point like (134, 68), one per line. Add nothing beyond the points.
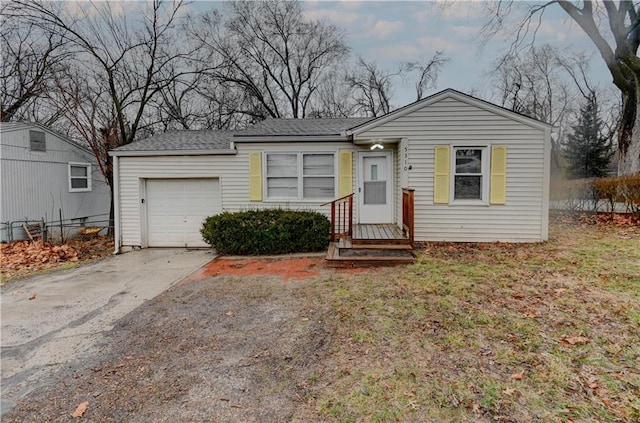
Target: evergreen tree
(587, 151)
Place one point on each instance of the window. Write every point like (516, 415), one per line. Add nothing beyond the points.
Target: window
(37, 141)
(470, 174)
(295, 176)
(79, 177)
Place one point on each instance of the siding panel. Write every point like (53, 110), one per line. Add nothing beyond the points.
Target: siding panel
(453, 122)
(231, 170)
(35, 185)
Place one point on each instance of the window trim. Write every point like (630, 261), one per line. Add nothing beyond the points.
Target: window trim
(88, 177)
(299, 176)
(485, 175)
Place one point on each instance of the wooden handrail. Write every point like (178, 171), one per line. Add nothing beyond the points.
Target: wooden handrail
(341, 217)
(408, 216)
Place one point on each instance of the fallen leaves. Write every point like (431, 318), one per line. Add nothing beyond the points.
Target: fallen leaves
(80, 410)
(20, 255)
(574, 340)
(517, 376)
(23, 257)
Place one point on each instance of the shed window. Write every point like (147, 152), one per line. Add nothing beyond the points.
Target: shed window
(37, 141)
(296, 176)
(79, 177)
(470, 174)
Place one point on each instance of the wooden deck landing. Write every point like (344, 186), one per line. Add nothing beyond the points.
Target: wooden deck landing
(377, 232)
(371, 245)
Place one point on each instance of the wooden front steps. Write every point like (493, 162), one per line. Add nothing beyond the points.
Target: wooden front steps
(371, 245)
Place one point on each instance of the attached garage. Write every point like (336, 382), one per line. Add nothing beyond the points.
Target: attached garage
(176, 208)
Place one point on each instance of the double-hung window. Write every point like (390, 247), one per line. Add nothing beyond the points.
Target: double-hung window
(79, 177)
(470, 174)
(300, 176)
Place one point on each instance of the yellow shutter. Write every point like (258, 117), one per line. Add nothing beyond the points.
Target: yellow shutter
(346, 173)
(498, 174)
(255, 176)
(441, 175)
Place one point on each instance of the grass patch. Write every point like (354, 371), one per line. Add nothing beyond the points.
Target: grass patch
(475, 332)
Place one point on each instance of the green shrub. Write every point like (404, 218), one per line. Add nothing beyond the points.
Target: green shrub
(267, 231)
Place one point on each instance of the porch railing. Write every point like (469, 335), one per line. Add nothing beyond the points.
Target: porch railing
(341, 217)
(408, 213)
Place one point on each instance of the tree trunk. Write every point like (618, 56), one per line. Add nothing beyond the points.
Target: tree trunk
(629, 133)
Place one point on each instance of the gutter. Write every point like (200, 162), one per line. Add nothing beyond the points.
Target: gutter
(116, 204)
(138, 153)
(287, 138)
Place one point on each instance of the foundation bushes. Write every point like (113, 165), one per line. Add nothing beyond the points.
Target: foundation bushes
(266, 231)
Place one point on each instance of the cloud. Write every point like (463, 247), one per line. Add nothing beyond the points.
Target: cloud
(351, 4)
(396, 52)
(339, 17)
(385, 28)
(449, 10)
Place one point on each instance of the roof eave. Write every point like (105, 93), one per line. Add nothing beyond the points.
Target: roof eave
(146, 153)
(289, 138)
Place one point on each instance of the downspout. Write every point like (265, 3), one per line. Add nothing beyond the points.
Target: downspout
(116, 204)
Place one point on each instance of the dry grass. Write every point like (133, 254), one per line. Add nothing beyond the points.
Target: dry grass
(497, 332)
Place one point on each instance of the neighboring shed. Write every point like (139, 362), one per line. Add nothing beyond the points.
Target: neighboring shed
(44, 174)
(480, 173)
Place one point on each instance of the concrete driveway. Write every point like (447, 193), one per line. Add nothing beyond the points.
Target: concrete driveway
(47, 320)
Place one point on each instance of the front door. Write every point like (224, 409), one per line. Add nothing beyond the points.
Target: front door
(375, 187)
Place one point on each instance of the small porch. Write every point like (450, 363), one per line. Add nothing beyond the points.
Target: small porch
(354, 245)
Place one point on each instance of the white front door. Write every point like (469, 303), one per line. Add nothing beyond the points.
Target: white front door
(375, 187)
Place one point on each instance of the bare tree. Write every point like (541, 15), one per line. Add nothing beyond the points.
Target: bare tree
(614, 29)
(335, 98)
(372, 88)
(270, 52)
(533, 84)
(123, 64)
(30, 57)
(428, 71)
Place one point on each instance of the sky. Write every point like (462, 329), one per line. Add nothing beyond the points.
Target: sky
(390, 32)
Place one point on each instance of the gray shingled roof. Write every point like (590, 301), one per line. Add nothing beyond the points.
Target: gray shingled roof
(302, 127)
(220, 140)
(182, 140)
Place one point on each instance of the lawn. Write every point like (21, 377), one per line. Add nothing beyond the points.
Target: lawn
(469, 333)
(495, 332)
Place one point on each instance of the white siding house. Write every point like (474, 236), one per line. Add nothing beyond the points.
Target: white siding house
(44, 175)
(480, 173)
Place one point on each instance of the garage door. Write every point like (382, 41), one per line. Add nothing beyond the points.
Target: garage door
(176, 209)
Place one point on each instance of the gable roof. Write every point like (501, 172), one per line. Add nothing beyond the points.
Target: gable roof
(192, 142)
(301, 127)
(19, 126)
(448, 93)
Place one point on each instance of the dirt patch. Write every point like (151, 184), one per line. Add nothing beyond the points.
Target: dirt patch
(286, 268)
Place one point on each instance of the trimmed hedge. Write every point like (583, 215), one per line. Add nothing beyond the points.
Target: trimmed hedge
(598, 194)
(266, 231)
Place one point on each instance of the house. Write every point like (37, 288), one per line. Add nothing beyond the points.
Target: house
(475, 172)
(45, 175)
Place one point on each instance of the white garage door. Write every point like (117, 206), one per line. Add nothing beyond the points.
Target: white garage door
(176, 209)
